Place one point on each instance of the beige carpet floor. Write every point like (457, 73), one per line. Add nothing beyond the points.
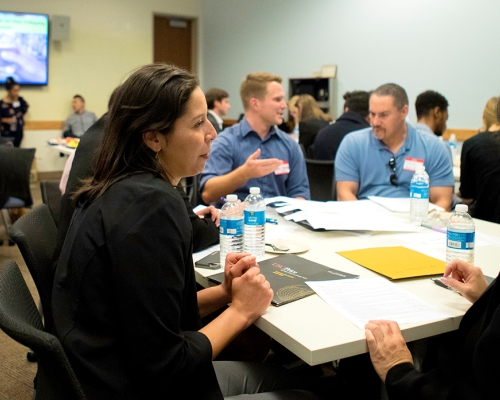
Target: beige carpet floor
(16, 372)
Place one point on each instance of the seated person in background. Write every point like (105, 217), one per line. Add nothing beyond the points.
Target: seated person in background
(218, 105)
(81, 120)
(125, 303)
(293, 117)
(467, 361)
(311, 119)
(480, 167)
(254, 152)
(355, 117)
(381, 160)
(490, 116)
(432, 112)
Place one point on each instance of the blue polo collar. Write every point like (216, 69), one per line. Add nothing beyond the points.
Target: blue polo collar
(246, 129)
(406, 145)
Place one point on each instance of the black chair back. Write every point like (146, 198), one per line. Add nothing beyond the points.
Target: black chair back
(35, 234)
(15, 169)
(51, 195)
(19, 318)
(193, 190)
(321, 176)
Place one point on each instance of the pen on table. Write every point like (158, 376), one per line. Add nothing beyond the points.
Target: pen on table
(272, 221)
(434, 228)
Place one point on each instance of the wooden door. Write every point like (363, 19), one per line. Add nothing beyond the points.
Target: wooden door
(173, 41)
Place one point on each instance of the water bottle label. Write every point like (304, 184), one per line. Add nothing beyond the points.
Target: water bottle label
(231, 227)
(419, 192)
(255, 217)
(460, 240)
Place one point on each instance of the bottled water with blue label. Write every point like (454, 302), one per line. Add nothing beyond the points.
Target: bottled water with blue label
(255, 223)
(231, 228)
(452, 142)
(419, 196)
(460, 235)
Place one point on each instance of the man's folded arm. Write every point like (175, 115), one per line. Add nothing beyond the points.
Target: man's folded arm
(441, 196)
(347, 190)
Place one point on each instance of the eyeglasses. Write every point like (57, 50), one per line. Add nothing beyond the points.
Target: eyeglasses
(392, 165)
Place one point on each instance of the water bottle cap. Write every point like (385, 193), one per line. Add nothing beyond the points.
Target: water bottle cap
(420, 167)
(461, 208)
(232, 197)
(254, 190)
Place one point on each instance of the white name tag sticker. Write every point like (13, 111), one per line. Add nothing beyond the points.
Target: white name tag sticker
(16, 104)
(411, 164)
(283, 169)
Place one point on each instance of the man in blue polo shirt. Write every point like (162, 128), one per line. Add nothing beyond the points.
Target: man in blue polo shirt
(381, 160)
(254, 152)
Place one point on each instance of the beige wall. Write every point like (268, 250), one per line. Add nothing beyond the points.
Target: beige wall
(108, 39)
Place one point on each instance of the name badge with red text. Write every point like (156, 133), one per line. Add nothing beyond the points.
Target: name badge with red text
(411, 164)
(283, 169)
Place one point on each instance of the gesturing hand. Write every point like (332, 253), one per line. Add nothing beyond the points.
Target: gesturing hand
(255, 168)
(387, 346)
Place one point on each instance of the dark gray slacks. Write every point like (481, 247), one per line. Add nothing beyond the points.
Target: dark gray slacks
(255, 381)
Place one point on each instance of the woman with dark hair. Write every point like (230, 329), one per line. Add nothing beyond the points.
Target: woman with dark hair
(124, 302)
(12, 110)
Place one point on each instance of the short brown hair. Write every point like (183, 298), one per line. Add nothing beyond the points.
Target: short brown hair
(397, 92)
(213, 95)
(255, 86)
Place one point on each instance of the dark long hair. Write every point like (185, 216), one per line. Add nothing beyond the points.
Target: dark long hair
(151, 99)
(10, 83)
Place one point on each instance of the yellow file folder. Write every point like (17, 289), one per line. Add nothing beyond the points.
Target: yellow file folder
(395, 262)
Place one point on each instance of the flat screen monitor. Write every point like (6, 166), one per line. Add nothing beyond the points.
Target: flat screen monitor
(24, 48)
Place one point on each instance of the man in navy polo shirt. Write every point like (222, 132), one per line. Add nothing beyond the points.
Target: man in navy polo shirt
(254, 152)
(381, 160)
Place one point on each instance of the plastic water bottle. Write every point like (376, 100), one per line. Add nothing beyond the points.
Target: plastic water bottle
(255, 223)
(460, 234)
(295, 133)
(419, 196)
(231, 228)
(452, 142)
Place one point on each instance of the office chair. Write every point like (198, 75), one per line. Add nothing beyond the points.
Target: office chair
(303, 149)
(51, 195)
(193, 191)
(15, 169)
(19, 319)
(321, 176)
(35, 233)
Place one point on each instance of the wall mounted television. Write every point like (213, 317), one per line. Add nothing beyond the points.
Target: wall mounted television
(24, 47)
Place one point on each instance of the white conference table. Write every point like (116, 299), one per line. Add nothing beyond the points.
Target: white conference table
(63, 149)
(317, 333)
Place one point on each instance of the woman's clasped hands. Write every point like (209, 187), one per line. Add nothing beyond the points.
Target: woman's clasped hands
(247, 289)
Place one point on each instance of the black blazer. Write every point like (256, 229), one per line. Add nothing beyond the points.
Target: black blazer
(308, 131)
(467, 360)
(328, 140)
(214, 122)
